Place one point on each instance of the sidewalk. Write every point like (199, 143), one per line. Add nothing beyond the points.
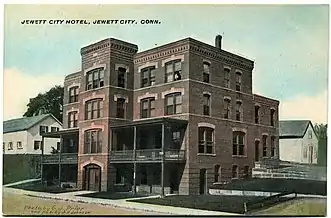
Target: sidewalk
(122, 203)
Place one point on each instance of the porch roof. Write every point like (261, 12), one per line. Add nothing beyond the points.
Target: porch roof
(60, 133)
(145, 122)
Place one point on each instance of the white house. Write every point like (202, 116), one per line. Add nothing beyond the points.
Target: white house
(22, 135)
(298, 141)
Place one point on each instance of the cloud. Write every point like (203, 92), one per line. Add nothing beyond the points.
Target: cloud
(19, 87)
(313, 108)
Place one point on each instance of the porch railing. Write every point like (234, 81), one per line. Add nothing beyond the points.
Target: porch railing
(66, 158)
(147, 155)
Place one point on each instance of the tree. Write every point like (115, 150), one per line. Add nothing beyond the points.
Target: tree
(321, 132)
(50, 102)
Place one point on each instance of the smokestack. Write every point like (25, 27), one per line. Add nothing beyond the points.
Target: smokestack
(218, 42)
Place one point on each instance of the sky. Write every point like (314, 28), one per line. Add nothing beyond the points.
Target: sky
(288, 43)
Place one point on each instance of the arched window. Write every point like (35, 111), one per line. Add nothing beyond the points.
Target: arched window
(206, 104)
(93, 141)
(206, 140)
(173, 103)
(72, 119)
(238, 143)
(95, 78)
(147, 106)
(94, 109)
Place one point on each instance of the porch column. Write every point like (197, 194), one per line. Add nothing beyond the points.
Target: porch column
(134, 159)
(162, 163)
(41, 158)
(61, 144)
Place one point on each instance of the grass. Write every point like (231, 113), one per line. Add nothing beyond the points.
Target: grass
(113, 195)
(299, 207)
(231, 204)
(38, 187)
(278, 185)
(20, 205)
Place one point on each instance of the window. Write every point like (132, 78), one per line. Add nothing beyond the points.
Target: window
(94, 109)
(173, 103)
(147, 77)
(58, 145)
(55, 129)
(95, 79)
(310, 134)
(176, 139)
(3, 146)
(37, 145)
(246, 172)
(217, 173)
(147, 108)
(10, 146)
(305, 152)
(227, 106)
(238, 143)
(272, 146)
(73, 119)
(206, 140)
(43, 129)
(93, 141)
(73, 94)
(19, 145)
(238, 81)
(121, 74)
(234, 171)
(264, 144)
(206, 72)
(272, 117)
(238, 110)
(120, 108)
(206, 104)
(227, 78)
(257, 114)
(173, 71)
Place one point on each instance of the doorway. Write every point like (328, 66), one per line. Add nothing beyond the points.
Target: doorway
(92, 177)
(310, 154)
(203, 182)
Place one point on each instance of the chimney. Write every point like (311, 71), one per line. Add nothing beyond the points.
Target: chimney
(218, 42)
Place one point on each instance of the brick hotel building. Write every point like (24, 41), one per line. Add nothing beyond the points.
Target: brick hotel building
(176, 118)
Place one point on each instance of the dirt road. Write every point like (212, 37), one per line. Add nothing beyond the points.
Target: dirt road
(16, 204)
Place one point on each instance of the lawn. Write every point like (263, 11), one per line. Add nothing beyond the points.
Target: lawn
(231, 204)
(113, 195)
(38, 187)
(21, 205)
(278, 185)
(299, 207)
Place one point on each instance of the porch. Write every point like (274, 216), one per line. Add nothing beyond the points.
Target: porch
(60, 167)
(152, 142)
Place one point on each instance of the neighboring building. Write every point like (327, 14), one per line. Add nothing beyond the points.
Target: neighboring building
(173, 119)
(22, 135)
(297, 141)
